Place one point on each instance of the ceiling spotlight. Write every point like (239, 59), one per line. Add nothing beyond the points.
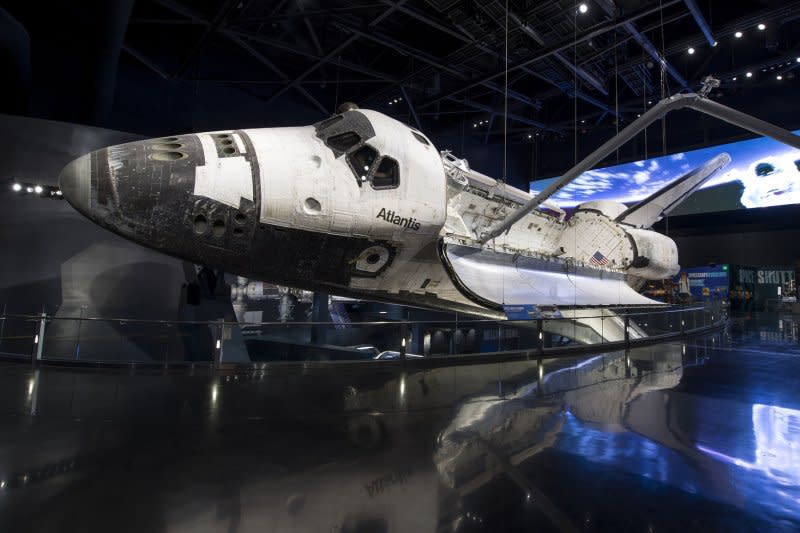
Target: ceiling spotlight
(58, 193)
(529, 136)
(649, 102)
(749, 74)
(38, 189)
(691, 51)
(714, 44)
(583, 122)
(798, 59)
(738, 35)
(779, 77)
(16, 187)
(475, 125)
(762, 26)
(29, 189)
(583, 8)
(638, 114)
(734, 78)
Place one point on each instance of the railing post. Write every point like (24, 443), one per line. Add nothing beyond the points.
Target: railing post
(540, 336)
(539, 377)
(627, 363)
(38, 339)
(627, 332)
(403, 340)
(219, 342)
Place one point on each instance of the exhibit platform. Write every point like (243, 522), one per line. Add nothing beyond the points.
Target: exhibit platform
(695, 433)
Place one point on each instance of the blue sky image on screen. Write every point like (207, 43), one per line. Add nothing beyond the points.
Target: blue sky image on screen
(768, 170)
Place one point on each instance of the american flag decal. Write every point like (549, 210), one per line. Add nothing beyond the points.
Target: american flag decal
(598, 259)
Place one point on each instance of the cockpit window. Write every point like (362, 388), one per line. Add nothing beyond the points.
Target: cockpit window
(420, 138)
(343, 141)
(387, 175)
(361, 160)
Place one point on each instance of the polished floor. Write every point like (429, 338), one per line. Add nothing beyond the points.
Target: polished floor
(695, 436)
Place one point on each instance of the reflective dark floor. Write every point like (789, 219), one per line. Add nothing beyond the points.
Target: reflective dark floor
(701, 436)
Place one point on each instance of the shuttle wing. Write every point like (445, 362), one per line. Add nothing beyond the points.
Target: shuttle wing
(652, 209)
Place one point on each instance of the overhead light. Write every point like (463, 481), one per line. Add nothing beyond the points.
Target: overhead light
(779, 77)
(734, 78)
(738, 35)
(691, 51)
(29, 189)
(638, 114)
(649, 102)
(583, 8)
(762, 26)
(714, 44)
(798, 59)
(475, 125)
(529, 136)
(749, 74)
(38, 189)
(583, 122)
(16, 187)
(58, 193)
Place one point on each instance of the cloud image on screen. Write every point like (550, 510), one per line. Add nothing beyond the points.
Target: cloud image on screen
(762, 173)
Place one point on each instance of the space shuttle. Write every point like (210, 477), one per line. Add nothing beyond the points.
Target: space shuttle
(362, 205)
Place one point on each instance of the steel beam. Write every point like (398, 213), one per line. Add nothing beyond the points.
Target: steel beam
(548, 51)
(578, 71)
(424, 57)
(647, 45)
(274, 68)
(701, 21)
(293, 49)
(219, 18)
(679, 101)
(512, 116)
(196, 17)
(335, 51)
(144, 60)
(410, 105)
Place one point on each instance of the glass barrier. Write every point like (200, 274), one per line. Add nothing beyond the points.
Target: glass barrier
(90, 339)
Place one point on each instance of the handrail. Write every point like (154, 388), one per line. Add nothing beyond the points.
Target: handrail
(639, 311)
(528, 353)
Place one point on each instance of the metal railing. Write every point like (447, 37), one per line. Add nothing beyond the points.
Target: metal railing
(46, 338)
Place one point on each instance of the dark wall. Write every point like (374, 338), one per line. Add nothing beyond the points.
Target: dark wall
(757, 237)
(51, 254)
(741, 248)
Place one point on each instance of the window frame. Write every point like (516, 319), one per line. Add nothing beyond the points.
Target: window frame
(356, 172)
(375, 169)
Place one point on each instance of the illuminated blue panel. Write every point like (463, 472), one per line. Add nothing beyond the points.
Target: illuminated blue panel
(762, 173)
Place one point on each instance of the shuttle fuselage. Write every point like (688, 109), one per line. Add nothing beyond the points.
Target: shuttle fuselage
(363, 205)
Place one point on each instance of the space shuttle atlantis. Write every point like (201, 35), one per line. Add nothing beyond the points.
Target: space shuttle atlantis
(362, 205)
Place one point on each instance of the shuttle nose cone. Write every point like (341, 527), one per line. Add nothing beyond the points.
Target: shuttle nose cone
(169, 194)
(75, 182)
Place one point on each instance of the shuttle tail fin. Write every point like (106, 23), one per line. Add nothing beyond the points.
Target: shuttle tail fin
(652, 209)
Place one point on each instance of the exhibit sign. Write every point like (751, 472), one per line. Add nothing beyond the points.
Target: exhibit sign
(762, 173)
(703, 283)
(762, 288)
